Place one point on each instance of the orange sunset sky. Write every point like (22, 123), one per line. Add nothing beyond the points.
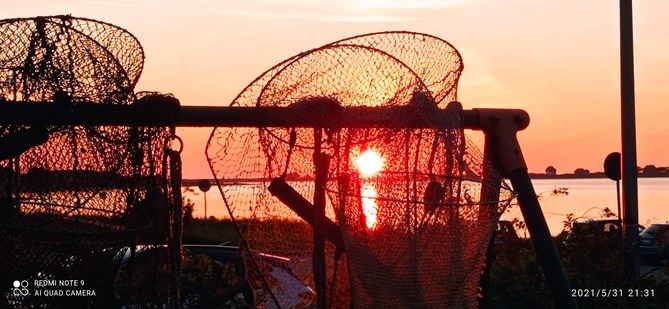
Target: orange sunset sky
(556, 59)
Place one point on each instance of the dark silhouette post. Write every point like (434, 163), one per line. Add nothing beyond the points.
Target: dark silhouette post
(307, 211)
(628, 125)
(321, 164)
(612, 171)
(204, 186)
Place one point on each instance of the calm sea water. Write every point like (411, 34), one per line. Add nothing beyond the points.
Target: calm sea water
(586, 198)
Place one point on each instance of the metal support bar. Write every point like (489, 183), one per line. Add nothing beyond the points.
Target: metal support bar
(544, 246)
(321, 167)
(500, 128)
(92, 114)
(303, 208)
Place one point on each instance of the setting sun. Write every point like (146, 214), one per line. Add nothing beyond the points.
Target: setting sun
(369, 163)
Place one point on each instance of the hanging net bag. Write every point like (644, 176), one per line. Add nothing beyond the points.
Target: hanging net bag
(72, 196)
(412, 207)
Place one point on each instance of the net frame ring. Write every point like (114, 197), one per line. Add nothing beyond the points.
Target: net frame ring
(168, 143)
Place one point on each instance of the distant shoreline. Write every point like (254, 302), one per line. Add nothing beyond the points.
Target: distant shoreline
(194, 182)
(587, 176)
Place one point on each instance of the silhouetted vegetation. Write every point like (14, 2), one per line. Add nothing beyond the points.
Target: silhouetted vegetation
(213, 231)
(594, 265)
(593, 262)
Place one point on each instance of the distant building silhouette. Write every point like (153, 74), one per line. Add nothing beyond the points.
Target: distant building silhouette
(650, 170)
(581, 171)
(551, 171)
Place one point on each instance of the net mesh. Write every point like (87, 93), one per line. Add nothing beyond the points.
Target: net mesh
(415, 227)
(73, 196)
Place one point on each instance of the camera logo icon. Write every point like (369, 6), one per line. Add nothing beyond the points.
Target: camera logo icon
(20, 288)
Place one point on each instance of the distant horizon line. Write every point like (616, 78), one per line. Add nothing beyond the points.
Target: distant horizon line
(191, 182)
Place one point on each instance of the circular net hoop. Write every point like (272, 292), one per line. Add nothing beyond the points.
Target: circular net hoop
(87, 59)
(437, 63)
(74, 195)
(430, 190)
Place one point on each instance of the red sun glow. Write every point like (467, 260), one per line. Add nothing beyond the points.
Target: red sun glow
(369, 163)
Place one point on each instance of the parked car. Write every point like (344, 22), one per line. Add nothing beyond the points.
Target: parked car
(597, 228)
(654, 242)
(212, 276)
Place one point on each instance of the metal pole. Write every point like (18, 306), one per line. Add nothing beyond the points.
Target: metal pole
(204, 186)
(628, 125)
(542, 240)
(620, 214)
(93, 114)
(321, 167)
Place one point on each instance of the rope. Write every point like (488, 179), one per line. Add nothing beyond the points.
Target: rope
(291, 146)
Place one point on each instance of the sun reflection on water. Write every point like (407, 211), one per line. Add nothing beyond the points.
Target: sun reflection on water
(369, 164)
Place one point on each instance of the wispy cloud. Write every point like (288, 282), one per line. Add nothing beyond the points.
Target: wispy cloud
(362, 11)
(415, 4)
(132, 4)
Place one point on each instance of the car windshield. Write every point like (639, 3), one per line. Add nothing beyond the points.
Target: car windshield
(654, 229)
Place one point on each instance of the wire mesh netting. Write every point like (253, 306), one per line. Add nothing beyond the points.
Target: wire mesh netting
(413, 209)
(73, 196)
(420, 222)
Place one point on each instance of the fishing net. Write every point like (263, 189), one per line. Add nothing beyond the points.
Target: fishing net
(412, 208)
(73, 196)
